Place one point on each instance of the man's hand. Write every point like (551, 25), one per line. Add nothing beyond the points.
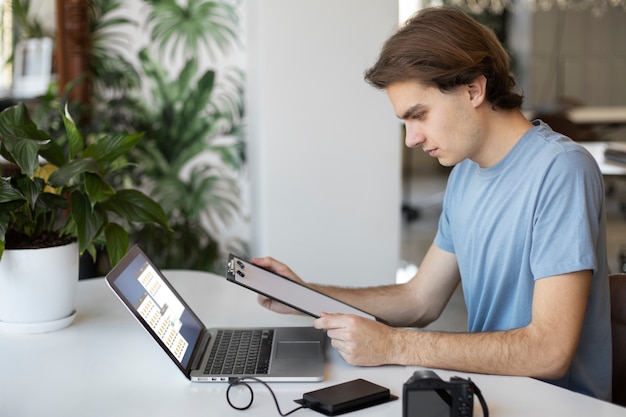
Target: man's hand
(359, 341)
(279, 268)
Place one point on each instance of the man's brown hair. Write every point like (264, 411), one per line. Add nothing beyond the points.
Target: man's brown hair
(445, 48)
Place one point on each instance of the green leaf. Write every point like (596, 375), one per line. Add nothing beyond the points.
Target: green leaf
(97, 188)
(29, 188)
(74, 137)
(21, 139)
(50, 202)
(135, 206)
(110, 147)
(53, 153)
(15, 121)
(186, 76)
(65, 173)
(117, 242)
(10, 206)
(24, 152)
(86, 220)
(199, 97)
(8, 193)
(156, 73)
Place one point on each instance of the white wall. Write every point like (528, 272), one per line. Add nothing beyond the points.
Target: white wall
(324, 146)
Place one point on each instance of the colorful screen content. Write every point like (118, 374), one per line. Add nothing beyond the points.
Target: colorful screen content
(161, 309)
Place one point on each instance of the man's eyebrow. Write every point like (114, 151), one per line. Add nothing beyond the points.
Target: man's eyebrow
(412, 110)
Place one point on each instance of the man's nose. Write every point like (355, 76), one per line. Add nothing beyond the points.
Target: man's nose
(413, 136)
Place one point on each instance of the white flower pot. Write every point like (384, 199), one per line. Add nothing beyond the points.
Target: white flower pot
(38, 288)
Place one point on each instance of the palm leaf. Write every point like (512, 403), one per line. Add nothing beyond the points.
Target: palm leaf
(210, 25)
(227, 104)
(107, 46)
(158, 75)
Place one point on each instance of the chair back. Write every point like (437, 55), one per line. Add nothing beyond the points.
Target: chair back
(618, 328)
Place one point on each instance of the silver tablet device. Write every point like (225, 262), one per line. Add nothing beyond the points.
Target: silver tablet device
(286, 291)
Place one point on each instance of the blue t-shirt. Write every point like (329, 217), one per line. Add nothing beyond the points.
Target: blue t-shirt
(539, 212)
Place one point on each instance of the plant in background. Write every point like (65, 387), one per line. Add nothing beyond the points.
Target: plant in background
(196, 25)
(109, 68)
(192, 150)
(27, 27)
(113, 77)
(184, 119)
(21, 25)
(68, 197)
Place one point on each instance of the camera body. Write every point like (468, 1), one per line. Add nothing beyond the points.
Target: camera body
(427, 395)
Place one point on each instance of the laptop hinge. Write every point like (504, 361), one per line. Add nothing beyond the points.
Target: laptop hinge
(205, 337)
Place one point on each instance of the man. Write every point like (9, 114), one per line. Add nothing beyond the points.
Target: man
(522, 228)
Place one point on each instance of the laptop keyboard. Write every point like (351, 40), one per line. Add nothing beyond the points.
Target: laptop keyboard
(240, 352)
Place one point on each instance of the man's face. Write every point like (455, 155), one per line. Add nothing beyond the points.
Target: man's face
(445, 125)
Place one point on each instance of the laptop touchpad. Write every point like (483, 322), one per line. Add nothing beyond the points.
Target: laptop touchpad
(297, 350)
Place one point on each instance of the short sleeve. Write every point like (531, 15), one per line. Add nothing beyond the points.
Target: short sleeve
(569, 209)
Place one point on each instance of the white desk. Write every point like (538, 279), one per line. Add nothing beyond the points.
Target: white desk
(105, 364)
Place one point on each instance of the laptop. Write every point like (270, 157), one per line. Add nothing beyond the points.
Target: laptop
(290, 354)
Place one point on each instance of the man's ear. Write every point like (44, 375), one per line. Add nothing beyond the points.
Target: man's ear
(478, 90)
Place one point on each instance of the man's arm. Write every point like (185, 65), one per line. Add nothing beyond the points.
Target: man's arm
(416, 303)
(543, 349)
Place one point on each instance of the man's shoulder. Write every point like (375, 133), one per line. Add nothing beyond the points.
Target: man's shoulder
(552, 145)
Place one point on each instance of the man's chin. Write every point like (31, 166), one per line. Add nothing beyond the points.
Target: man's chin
(446, 162)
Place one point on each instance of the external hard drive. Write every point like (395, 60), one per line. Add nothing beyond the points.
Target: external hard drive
(346, 397)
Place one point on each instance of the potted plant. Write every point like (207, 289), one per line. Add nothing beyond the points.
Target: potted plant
(59, 199)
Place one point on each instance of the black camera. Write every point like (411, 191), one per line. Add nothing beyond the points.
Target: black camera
(427, 395)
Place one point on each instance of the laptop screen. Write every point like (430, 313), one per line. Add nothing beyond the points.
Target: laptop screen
(155, 302)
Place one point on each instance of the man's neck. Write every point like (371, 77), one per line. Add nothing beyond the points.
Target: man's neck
(503, 129)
